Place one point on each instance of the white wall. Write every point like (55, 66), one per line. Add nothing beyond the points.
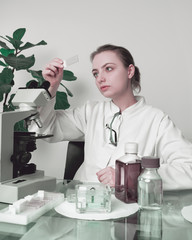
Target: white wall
(157, 32)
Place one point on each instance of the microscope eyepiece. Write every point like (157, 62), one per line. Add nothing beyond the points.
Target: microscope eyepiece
(45, 85)
(33, 84)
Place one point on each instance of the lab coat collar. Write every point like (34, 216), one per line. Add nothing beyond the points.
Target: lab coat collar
(140, 102)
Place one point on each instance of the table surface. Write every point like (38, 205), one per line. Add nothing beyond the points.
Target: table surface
(167, 224)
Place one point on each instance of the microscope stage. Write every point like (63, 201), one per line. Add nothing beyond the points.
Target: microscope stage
(17, 188)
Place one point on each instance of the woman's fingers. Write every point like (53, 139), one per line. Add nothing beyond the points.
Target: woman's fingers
(107, 176)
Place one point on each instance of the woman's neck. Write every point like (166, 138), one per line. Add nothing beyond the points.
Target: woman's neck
(123, 103)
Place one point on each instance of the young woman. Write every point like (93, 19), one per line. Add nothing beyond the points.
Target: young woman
(106, 126)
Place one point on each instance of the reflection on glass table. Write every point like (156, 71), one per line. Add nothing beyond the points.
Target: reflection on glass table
(166, 224)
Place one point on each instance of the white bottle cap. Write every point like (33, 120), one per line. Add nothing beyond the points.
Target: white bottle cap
(131, 147)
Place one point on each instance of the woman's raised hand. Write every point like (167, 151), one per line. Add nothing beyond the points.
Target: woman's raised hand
(53, 73)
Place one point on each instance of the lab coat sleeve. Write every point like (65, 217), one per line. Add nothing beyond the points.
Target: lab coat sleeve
(176, 157)
(63, 124)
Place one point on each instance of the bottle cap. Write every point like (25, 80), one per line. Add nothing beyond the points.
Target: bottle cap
(150, 162)
(131, 147)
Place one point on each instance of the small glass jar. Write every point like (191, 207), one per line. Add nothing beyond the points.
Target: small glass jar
(150, 192)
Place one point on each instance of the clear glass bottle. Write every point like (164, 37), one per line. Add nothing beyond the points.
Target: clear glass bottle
(127, 170)
(150, 192)
(149, 224)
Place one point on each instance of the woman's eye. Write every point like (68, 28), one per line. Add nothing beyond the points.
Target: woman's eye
(109, 69)
(95, 74)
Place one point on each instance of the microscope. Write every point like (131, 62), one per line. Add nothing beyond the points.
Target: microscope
(18, 177)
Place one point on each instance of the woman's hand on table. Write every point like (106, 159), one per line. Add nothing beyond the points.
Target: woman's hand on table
(107, 176)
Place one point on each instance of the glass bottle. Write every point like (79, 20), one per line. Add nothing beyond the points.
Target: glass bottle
(127, 170)
(150, 192)
(149, 224)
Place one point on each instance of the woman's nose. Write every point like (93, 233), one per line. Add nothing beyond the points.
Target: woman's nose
(101, 77)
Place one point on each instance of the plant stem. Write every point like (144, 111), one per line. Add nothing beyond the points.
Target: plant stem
(6, 95)
(4, 103)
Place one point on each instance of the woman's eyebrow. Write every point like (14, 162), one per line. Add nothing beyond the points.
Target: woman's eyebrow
(94, 69)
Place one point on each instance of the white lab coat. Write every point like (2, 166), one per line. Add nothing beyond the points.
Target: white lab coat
(153, 130)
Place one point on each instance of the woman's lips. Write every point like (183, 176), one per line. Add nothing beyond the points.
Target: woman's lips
(104, 88)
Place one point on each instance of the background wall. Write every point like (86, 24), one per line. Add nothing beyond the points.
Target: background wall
(157, 33)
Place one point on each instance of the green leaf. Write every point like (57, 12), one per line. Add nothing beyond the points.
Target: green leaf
(20, 62)
(5, 88)
(30, 45)
(6, 108)
(6, 76)
(20, 126)
(3, 45)
(9, 107)
(1, 96)
(68, 75)
(61, 101)
(19, 33)
(10, 100)
(3, 64)
(16, 39)
(67, 90)
(14, 42)
(36, 74)
(6, 52)
(5, 38)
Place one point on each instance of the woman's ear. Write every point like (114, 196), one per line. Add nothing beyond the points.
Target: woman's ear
(131, 71)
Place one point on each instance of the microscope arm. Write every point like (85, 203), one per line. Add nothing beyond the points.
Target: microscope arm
(7, 122)
(27, 100)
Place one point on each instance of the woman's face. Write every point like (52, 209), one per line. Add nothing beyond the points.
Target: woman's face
(111, 76)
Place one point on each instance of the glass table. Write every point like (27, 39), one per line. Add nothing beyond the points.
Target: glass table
(167, 224)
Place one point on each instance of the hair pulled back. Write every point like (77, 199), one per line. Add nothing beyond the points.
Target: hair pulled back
(126, 58)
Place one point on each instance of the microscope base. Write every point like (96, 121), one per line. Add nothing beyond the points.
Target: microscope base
(20, 187)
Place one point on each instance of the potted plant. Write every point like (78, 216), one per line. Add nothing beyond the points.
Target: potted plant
(11, 61)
